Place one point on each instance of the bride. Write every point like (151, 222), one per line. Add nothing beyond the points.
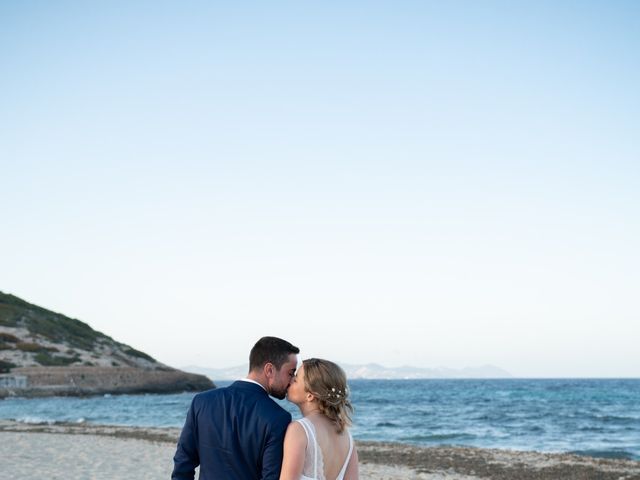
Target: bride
(319, 446)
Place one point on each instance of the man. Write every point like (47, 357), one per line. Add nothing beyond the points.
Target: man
(237, 432)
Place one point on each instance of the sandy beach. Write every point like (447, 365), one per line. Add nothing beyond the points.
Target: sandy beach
(81, 451)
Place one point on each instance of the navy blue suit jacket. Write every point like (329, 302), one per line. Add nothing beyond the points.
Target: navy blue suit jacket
(233, 433)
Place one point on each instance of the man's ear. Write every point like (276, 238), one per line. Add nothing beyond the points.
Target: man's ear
(269, 370)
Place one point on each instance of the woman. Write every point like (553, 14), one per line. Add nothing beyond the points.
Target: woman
(319, 446)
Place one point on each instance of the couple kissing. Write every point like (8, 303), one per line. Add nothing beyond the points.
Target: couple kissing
(240, 433)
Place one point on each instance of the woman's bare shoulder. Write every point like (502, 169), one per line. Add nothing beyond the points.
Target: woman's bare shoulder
(295, 431)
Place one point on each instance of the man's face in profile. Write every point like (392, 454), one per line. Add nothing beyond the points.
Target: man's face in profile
(282, 378)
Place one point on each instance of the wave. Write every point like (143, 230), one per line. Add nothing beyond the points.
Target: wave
(387, 424)
(378, 401)
(592, 429)
(616, 419)
(32, 420)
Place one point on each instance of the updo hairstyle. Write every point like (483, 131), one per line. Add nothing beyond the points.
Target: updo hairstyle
(328, 383)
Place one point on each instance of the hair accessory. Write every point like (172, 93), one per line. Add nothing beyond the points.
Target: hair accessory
(336, 393)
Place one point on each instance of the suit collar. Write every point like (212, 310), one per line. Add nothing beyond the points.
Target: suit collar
(251, 386)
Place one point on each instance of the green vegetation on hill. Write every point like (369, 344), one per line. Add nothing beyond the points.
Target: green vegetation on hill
(47, 360)
(6, 366)
(58, 328)
(15, 312)
(132, 352)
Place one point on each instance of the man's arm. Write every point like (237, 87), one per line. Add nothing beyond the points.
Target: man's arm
(187, 458)
(272, 456)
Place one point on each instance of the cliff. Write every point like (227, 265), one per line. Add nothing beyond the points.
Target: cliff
(47, 353)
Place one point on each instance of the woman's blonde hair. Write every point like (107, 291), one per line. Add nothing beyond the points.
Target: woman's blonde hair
(328, 383)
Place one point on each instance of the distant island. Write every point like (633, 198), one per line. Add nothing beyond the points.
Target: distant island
(45, 353)
(371, 371)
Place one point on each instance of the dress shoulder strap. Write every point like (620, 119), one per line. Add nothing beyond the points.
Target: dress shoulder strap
(309, 430)
(346, 462)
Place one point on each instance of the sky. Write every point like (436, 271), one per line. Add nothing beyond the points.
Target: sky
(407, 183)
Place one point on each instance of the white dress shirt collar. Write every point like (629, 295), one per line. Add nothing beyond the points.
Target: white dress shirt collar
(252, 381)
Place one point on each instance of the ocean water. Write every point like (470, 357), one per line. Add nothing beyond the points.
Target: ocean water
(597, 417)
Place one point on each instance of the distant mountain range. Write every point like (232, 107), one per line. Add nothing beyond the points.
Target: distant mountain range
(370, 371)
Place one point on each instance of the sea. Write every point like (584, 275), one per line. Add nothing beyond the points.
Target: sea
(594, 417)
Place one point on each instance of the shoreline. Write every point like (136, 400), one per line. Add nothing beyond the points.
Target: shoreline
(378, 460)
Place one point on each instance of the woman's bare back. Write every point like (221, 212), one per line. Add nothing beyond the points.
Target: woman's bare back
(335, 448)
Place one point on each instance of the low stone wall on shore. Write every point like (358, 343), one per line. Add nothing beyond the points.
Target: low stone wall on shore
(48, 381)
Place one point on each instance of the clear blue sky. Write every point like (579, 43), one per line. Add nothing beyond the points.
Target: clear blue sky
(425, 183)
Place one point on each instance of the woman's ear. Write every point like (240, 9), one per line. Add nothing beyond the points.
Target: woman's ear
(310, 397)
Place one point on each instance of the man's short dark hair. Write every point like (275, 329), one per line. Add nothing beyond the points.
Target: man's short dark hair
(270, 350)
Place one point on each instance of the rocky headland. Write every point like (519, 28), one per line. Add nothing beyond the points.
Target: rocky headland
(45, 353)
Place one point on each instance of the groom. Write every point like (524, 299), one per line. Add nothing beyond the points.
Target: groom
(236, 433)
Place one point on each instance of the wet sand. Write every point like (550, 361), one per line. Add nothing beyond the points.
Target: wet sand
(96, 452)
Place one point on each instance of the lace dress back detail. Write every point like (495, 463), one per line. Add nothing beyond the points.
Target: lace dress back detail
(313, 460)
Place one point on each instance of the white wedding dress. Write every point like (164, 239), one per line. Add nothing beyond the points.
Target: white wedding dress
(313, 461)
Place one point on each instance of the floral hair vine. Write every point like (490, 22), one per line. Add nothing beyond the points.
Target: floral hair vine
(337, 393)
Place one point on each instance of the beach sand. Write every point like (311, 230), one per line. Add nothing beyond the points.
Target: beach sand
(94, 452)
